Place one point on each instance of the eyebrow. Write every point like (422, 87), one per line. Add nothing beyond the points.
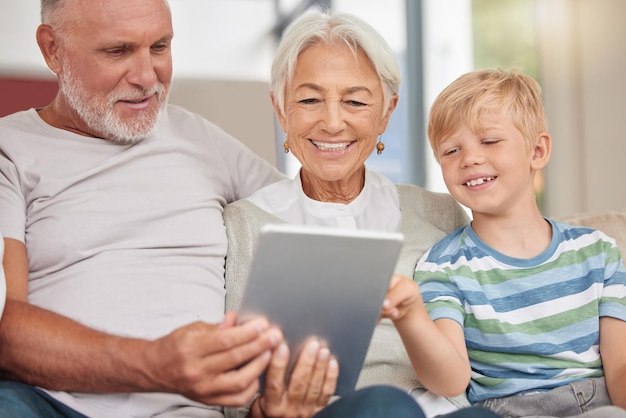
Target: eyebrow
(125, 44)
(349, 90)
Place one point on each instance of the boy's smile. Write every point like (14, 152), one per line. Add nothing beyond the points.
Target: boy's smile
(488, 171)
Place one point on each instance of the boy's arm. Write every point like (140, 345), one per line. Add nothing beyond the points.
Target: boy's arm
(436, 349)
(612, 337)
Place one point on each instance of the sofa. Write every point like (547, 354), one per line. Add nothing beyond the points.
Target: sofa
(387, 359)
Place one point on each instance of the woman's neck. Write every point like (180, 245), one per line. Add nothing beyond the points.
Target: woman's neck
(336, 191)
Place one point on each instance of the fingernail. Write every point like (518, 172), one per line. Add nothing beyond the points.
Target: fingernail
(313, 347)
(333, 365)
(386, 303)
(260, 325)
(274, 337)
(324, 353)
(282, 350)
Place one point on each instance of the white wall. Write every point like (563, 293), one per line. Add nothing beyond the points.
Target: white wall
(583, 77)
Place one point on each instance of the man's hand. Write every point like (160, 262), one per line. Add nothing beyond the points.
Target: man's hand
(214, 364)
(312, 383)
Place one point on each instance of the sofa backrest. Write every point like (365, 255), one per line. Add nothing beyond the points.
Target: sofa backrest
(612, 223)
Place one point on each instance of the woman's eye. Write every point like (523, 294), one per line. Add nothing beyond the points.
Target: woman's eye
(308, 101)
(355, 103)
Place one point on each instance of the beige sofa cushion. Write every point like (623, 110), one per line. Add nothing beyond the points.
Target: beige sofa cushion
(612, 223)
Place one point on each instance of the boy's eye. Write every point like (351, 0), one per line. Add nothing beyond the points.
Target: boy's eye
(451, 151)
(490, 141)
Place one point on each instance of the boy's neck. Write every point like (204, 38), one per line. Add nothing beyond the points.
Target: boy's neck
(524, 236)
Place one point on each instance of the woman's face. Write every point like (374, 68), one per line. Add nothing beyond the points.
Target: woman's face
(333, 112)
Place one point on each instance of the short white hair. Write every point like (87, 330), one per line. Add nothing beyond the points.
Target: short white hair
(316, 28)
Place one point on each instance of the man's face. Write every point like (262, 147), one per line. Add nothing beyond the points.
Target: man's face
(116, 67)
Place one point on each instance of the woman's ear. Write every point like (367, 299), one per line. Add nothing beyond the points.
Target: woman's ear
(541, 152)
(279, 113)
(385, 121)
(50, 47)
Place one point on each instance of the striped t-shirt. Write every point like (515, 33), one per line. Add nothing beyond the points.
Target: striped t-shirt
(530, 324)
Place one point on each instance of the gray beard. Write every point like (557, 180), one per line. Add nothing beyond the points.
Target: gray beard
(100, 117)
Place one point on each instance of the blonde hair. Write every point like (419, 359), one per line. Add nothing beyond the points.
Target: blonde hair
(472, 95)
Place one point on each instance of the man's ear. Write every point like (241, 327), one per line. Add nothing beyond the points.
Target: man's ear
(49, 46)
(541, 152)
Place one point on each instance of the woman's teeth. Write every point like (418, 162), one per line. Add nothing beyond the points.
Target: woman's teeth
(331, 146)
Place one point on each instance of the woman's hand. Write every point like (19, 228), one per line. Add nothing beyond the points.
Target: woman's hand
(312, 383)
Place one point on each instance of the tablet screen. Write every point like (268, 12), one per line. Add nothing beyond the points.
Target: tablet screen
(322, 282)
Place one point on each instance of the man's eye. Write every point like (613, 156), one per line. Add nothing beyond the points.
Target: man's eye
(160, 47)
(308, 101)
(116, 52)
(355, 103)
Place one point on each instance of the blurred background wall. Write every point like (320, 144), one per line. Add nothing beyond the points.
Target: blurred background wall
(223, 49)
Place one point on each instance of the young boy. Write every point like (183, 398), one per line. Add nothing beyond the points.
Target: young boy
(514, 303)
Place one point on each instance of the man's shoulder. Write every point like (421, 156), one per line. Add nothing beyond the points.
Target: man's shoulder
(17, 119)
(183, 122)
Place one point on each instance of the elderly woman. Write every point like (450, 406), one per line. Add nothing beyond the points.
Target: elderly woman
(334, 87)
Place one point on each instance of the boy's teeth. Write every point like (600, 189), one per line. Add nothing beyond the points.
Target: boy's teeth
(476, 182)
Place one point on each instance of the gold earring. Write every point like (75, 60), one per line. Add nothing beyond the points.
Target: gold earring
(286, 147)
(379, 147)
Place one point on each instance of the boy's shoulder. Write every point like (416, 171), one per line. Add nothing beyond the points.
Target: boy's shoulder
(452, 245)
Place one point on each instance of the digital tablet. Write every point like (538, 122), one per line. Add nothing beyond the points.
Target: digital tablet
(327, 283)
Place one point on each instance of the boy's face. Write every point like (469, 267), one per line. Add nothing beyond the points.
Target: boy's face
(491, 171)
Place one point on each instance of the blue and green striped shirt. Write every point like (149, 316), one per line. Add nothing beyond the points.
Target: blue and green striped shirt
(530, 324)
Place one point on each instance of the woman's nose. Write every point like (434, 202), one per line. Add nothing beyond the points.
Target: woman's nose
(333, 117)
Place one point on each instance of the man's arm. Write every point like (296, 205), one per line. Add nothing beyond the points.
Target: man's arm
(199, 361)
(612, 337)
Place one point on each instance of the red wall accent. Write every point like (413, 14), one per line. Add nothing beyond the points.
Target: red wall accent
(23, 93)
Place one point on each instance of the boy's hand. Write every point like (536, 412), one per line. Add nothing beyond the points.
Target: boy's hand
(402, 296)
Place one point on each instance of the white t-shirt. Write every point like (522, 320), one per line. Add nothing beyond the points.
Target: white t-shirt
(3, 284)
(376, 207)
(128, 239)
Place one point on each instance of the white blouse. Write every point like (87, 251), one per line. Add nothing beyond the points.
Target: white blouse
(376, 207)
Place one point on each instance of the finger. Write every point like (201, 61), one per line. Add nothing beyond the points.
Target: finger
(230, 320)
(235, 387)
(275, 377)
(302, 372)
(230, 348)
(330, 382)
(318, 377)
